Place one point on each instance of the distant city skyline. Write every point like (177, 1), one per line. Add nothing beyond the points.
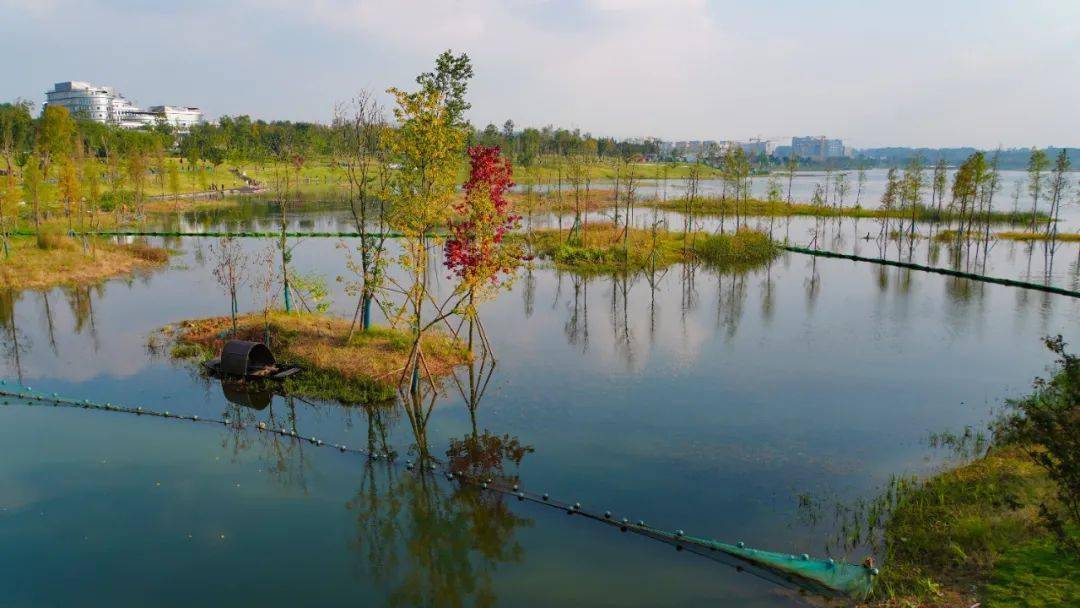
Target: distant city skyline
(924, 74)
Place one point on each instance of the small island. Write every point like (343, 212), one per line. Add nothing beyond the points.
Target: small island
(61, 260)
(362, 369)
(605, 248)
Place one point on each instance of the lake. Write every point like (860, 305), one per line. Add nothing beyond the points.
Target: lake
(735, 406)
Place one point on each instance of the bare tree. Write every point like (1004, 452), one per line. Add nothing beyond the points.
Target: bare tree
(938, 184)
(361, 126)
(860, 180)
(630, 185)
(1059, 189)
(840, 188)
(790, 167)
(693, 183)
(1038, 163)
(265, 286)
(230, 270)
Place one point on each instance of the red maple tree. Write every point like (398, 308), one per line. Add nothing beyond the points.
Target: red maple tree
(476, 251)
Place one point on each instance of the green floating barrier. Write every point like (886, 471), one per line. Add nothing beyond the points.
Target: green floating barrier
(822, 575)
(945, 271)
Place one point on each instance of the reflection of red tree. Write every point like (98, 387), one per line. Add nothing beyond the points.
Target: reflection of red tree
(485, 454)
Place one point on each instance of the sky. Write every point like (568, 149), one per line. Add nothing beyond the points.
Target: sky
(960, 73)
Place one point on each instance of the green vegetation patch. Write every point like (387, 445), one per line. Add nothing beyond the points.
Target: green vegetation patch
(951, 530)
(729, 207)
(1034, 574)
(1006, 527)
(606, 248)
(1038, 236)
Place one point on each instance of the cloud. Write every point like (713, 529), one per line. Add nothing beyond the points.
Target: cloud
(930, 74)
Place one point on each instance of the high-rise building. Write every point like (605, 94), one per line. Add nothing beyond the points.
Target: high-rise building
(757, 147)
(105, 105)
(817, 148)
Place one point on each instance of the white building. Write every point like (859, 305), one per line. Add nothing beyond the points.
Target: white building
(181, 118)
(96, 103)
(103, 104)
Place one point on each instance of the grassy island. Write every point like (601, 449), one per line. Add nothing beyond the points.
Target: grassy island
(61, 260)
(1069, 237)
(716, 206)
(364, 369)
(602, 248)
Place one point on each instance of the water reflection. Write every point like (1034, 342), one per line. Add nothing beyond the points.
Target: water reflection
(700, 399)
(430, 544)
(15, 343)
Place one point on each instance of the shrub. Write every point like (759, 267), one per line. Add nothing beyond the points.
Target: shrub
(53, 240)
(1047, 423)
(146, 252)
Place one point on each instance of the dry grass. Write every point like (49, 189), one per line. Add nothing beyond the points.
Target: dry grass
(183, 204)
(64, 262)
(550, 202)
(1038, 236)
(367, 368)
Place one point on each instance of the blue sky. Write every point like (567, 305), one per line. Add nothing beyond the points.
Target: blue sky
(978, 73)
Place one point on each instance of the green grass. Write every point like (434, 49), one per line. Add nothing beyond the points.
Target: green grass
(322, 384)
(953, 527)
(974, 532)
(1034, 574)
(745, 248)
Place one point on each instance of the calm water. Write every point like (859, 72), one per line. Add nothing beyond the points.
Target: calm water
(804, 183)
(691, 399)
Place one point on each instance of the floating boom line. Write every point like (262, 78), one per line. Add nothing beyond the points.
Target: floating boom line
(822, 576)
(935, 269)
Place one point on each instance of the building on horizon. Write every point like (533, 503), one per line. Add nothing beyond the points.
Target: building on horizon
(757, 147)
(818, 148)
(105, 105)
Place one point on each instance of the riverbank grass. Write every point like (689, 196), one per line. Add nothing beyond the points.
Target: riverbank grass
(605, 248)
(60, 260)
(974, 533)
(364, 369)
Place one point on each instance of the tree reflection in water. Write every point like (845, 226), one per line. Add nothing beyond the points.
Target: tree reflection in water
(436, 543)
(13, 342)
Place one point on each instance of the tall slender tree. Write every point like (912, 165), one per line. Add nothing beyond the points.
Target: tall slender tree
(1038, 163)
(427, 145)
(1059, 190)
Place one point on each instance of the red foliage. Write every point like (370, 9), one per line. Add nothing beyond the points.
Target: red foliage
(474, 250)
